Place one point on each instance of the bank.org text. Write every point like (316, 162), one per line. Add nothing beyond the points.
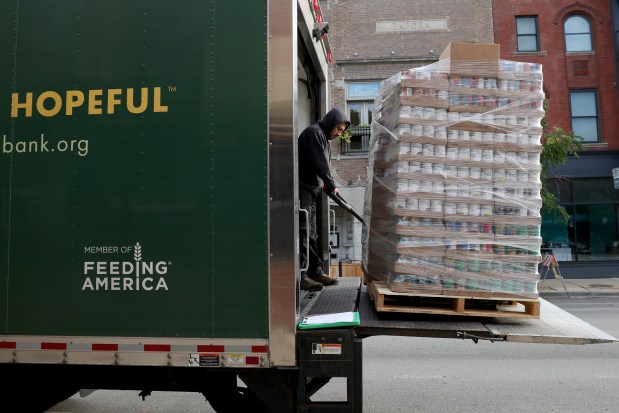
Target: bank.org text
(43, 145)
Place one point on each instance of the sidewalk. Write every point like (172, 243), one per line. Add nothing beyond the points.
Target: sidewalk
(590, 287)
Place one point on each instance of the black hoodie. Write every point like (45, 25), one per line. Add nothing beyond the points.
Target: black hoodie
(314, 153)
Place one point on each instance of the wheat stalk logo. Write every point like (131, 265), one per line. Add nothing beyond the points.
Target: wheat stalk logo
(137, 255)
(137, 252)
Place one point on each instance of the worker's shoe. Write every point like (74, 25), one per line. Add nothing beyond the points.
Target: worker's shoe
(308, 284)
(325, 280)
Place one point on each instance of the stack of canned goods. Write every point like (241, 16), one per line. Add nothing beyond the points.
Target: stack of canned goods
(468, 161)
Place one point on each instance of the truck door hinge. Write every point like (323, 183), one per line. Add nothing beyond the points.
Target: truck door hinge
(464, 335)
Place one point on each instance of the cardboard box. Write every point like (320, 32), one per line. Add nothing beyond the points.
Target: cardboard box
(468, 59)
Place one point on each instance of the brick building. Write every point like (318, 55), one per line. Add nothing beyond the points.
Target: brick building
(372, 40)
(577, 44)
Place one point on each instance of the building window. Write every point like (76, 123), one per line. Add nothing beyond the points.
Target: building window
(592, 232)
(360, 101)
(578, 34)
(584, 108)
(360, 108)
(526, 32)
(360, 113)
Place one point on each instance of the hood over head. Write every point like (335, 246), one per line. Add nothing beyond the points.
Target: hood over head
(332, 119)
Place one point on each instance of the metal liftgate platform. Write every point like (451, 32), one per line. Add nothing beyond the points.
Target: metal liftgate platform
(554, 326)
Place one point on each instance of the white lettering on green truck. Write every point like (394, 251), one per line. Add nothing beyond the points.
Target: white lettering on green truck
(123, 275)
(43, 145)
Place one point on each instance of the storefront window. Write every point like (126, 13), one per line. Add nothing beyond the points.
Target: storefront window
(596, 232)
(592, 232)
(557, 236)
(594, 190)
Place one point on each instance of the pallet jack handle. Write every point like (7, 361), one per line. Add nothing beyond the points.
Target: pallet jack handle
(337, 198)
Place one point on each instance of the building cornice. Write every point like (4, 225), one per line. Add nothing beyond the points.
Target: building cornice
(381, 60)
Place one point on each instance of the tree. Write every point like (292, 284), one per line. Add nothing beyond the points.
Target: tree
(557, 145)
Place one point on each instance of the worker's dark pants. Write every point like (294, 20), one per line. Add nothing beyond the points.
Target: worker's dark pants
(308, 202)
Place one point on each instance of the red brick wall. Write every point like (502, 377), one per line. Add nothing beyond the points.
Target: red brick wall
(593, 70)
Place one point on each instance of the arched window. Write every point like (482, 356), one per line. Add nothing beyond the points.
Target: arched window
(578, 34)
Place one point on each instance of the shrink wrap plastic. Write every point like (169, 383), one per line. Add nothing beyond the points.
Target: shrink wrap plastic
(453, 198)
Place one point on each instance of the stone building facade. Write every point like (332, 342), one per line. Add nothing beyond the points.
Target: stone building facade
(371, 40)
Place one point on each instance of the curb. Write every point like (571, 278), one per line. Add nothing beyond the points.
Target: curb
(579, 294)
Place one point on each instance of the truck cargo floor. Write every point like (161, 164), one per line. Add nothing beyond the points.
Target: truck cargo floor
(339, 298)
(554, 326)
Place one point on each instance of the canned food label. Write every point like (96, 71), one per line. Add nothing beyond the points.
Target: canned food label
(414, 166)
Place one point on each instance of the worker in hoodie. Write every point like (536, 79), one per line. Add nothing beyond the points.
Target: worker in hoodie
(315, 176)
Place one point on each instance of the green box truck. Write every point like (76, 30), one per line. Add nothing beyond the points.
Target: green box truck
(148, 205)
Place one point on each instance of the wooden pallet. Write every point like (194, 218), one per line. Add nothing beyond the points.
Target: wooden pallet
(386, 300)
